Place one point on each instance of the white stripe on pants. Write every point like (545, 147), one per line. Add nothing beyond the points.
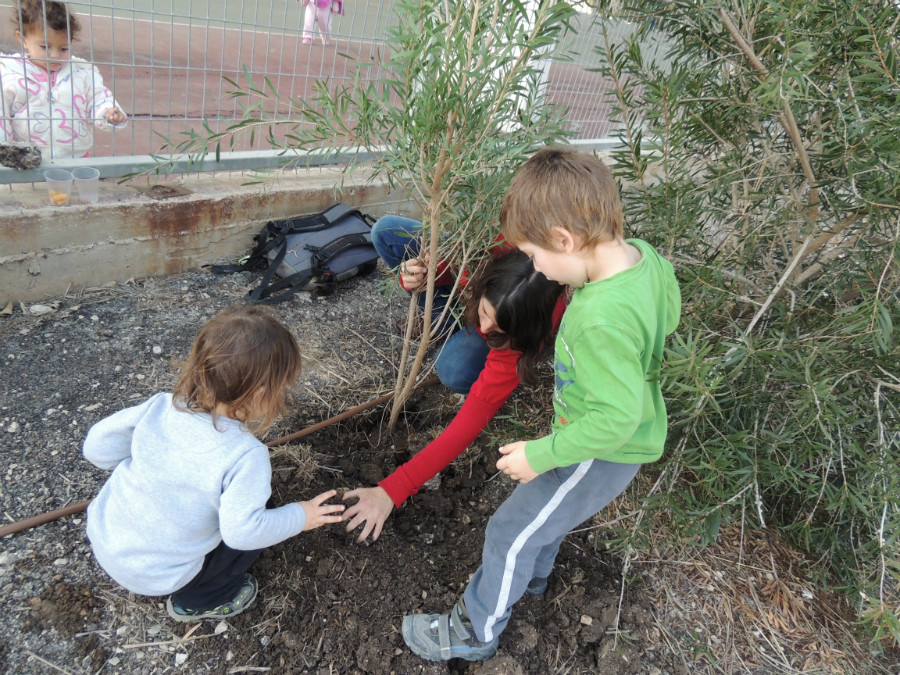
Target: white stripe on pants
(524, 535)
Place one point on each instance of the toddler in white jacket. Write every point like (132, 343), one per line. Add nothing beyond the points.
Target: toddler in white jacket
(49, 98)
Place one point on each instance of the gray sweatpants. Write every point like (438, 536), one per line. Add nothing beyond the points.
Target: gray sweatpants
(524, 535)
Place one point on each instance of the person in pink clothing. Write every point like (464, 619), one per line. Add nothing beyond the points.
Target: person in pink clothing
(319, 12)
(49, 98)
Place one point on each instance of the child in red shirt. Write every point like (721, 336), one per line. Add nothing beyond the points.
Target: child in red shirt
(514, 311)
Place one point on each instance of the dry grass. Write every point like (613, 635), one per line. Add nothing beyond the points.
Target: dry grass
(746, 604)
(305, 462)
(137, 626)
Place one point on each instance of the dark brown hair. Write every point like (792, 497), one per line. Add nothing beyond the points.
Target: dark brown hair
(35, 14)
(523, 300)
(560, 187)
(238, 352)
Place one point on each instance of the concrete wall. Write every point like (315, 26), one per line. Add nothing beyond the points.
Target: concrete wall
(47, 250)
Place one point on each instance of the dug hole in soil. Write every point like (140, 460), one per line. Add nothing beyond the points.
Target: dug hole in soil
(326, 604)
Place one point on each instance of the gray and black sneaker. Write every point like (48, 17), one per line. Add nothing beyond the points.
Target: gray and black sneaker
(441, 637)
(244, 598)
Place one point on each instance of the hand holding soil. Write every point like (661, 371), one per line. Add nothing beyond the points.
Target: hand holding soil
(515, 464)
(318, 512)
(372, 508)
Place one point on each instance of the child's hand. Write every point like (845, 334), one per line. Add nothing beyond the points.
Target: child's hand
(514, 463)
(317, 512)
(412, 274)
(370, 511)
(116, 116)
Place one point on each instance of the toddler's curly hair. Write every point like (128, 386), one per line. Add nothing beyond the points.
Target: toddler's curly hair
(35, 14)
(243, 359)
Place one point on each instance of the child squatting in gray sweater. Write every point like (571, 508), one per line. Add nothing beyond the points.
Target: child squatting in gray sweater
(184, 512)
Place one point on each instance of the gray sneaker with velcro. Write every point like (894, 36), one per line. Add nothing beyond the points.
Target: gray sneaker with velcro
(441, 637)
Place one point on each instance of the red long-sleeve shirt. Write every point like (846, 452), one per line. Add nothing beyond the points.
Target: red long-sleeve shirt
(487, 395)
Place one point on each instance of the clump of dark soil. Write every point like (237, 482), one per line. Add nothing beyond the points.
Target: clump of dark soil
(326, 604)
(64, 607)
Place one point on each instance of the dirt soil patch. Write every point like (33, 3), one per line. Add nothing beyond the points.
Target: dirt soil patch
(327, 604)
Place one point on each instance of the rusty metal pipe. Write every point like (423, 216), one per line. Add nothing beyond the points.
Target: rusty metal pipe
(34, 521)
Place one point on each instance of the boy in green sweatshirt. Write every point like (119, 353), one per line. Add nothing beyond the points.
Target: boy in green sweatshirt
(563, 210)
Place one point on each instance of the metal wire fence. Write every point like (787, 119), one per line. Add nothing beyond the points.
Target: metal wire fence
(168, 63)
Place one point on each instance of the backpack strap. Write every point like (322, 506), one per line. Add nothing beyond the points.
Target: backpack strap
(320, 221)
(269, 293)
(325, 254)
(265, 287)
(270, 236)
(317, 221)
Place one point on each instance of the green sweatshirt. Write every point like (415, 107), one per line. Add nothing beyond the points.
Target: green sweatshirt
(608, 403)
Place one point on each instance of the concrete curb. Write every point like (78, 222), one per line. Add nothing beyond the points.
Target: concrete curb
(47, 251)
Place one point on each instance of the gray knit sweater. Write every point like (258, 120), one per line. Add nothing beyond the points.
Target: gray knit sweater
(179, 486)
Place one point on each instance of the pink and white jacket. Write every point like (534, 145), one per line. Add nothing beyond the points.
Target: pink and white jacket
(55, 111)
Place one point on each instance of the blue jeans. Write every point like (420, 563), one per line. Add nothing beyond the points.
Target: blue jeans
(462, 357)
(461, 360)
(397, 239)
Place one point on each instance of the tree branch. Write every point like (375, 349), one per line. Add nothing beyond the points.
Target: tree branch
(787, 118)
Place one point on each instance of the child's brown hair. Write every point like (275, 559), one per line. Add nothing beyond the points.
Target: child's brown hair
(560, 187)
(35, 14)
(241, 351)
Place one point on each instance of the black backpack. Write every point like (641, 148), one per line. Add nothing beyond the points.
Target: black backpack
(311, 253)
